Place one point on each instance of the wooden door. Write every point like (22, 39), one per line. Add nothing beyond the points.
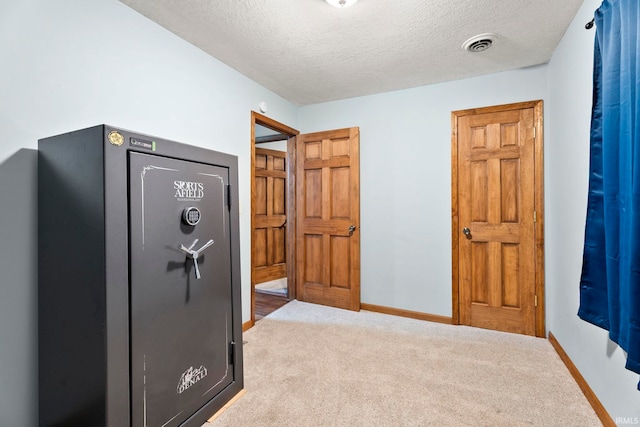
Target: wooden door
(496, 223)
(270, 220)
(328, 218)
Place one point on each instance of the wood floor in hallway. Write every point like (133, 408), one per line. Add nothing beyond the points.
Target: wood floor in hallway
(268, 303)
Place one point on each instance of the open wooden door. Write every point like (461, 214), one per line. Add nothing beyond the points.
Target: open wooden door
(328, 218)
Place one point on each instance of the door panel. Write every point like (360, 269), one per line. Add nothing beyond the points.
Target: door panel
(328, 202)
(496, 196)
(180, 325)
(269, 235)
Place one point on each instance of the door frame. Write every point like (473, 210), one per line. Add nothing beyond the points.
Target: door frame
(291, 133)
(538, 122)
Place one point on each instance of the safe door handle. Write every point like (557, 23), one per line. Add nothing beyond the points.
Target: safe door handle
(194, 254)
(205, 246)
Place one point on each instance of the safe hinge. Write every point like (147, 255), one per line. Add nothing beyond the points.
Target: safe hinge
(229, 196)
(535, 300)
(232, 352)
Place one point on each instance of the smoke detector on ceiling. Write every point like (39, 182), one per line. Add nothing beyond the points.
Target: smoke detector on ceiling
(479, 43)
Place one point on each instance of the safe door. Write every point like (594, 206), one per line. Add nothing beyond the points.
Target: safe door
(180, 287)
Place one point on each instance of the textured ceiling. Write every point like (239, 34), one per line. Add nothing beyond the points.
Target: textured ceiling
(309, 52)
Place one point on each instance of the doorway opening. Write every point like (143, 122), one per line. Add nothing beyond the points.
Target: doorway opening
(308, 221)
(272, 215)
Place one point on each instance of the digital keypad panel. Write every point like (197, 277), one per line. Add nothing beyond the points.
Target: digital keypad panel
(191, 216)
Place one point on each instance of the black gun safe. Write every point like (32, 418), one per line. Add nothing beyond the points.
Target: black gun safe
(139, 281)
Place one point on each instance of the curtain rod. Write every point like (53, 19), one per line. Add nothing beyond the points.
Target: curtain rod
(590, 24)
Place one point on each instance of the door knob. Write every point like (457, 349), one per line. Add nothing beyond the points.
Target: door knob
(352, 229)
(466, 231)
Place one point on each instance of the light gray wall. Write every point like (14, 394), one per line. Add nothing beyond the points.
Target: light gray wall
(18, 287)
(567, 171)
(276, 145)
(71, 64)
(406, 180)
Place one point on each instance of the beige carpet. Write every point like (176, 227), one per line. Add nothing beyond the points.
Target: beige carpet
(309, 365)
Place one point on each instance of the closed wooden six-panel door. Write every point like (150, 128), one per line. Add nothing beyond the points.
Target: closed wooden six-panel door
(270, 221)
(328, 218)
(497, 214)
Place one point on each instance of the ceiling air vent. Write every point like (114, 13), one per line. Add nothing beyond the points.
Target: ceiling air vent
(479, 43)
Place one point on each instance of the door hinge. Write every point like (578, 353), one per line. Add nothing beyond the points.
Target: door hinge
(535, 300)
(535, 133)
(232, 352)
(535, 217)
(229, 196)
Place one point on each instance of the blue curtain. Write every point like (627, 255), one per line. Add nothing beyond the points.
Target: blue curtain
(610, 282)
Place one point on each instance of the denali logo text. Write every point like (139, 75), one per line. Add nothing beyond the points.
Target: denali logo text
(190, 377)
(188, 190)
